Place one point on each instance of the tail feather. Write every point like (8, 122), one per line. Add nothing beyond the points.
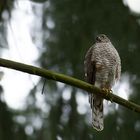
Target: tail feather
(96, 103)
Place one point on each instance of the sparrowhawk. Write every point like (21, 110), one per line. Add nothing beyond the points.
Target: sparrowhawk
(102, 69)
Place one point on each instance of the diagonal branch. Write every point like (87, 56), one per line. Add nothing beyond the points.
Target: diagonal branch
(68, 80)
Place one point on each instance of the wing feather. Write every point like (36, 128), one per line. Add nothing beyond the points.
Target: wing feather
(90, 69)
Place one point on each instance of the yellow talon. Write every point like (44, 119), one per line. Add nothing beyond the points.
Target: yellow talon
(107, 91)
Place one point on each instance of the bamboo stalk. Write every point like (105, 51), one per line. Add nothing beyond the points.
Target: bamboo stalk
(51, 75)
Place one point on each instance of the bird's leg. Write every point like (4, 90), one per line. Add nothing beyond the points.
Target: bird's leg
(107, 90)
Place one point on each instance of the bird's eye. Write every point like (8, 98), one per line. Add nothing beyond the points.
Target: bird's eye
(102, 36)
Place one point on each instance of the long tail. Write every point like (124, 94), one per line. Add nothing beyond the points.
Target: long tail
(96, 103)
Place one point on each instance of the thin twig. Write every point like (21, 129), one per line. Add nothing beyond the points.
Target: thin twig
(43, 86)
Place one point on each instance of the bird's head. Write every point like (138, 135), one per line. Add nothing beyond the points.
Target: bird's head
(102, 38)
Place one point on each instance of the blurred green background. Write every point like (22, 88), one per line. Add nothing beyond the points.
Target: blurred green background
(69, 28)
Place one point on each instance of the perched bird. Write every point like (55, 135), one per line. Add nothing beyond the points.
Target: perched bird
(102, 69)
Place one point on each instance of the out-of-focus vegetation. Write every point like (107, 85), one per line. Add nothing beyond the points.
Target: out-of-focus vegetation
(69, 28)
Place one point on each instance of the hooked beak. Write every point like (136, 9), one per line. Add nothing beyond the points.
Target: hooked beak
(98, 39)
